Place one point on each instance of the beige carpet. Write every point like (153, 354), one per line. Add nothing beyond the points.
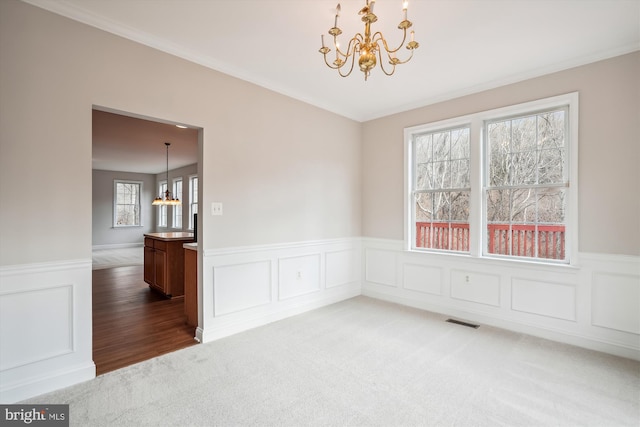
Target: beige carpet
(364, 362)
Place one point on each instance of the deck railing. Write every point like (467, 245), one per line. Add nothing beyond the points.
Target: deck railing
(442, 235)
(503, 239)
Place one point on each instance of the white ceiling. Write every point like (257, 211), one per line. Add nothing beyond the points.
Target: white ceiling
(133, 144)
(465, 45)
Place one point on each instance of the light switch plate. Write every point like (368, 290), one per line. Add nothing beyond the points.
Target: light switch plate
(216, 208)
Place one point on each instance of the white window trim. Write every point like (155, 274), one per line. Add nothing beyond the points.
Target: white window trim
(476, 204)
(176, 207)
(190, 225)
(160, 207)
(114, 219)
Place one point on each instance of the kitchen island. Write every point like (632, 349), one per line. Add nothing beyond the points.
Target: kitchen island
(164, 262)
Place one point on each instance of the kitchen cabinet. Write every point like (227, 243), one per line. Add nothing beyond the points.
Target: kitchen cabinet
(164, 262)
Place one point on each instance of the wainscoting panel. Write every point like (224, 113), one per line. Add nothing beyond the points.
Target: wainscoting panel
(46, 336)
(241, 286)
(381, 267)
(342, 267)
(298, 275)
(595, 304)
(615, 301)
(422, 278)
(545, 299)
(475, 287)
(253, 286)
(49, 330)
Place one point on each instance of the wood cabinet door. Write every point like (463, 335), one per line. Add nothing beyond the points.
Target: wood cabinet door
(161, 279)
(149, 265)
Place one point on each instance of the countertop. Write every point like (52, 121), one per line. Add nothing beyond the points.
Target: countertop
(191, 246)
(177, 235)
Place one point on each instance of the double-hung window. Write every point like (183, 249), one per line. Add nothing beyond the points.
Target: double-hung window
(126, 203)
(441, 189)
(193, 199)
(499, 183)
(526, 185)
(162, 209)
(177, 209)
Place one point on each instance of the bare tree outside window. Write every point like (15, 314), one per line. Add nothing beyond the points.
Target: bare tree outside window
(496, 183)
(442, 189)
(527, 185)
(127, 203)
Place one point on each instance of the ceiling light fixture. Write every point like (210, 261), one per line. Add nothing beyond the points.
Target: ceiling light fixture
(168, 200)
(366, 46)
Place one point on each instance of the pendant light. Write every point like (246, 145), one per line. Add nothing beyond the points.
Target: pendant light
(168, 200)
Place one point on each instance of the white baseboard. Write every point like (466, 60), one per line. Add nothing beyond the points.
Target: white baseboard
(117, 246)
(242, 324)
(25, 389)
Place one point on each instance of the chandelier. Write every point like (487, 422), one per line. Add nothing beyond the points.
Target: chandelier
(366, 46)
(168, 200)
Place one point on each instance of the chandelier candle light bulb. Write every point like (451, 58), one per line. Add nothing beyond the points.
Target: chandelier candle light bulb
(367, 47)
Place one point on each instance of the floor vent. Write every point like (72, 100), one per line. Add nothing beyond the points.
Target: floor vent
(459, 322)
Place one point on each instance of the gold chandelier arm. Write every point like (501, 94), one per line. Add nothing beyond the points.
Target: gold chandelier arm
(355, 40)
(353, 61)
(380, 38)
(397, 61)
(333, 67)
(393, 63)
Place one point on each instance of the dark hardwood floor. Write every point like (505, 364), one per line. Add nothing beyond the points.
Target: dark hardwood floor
(132, 323)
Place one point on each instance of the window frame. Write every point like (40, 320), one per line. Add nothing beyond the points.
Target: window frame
(115, 202)
(176, 208)
(443, 189)
(477, 204)
(163, 211)
(193, 202)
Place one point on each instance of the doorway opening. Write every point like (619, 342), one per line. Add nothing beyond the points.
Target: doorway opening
(133, 320)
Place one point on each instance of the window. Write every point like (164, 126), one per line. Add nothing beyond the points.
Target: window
(441, 189)
(526, 185)
(162, 209)
(126, 210)
(177, 210)
(496, 183)
(193, 199)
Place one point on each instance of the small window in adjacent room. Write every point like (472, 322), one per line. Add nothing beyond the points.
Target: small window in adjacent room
(177, 210)
(126, 202)
(193, 199)
(162, 209)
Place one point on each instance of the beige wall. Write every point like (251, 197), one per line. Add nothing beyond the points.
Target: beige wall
(285, 171)
(609, 151)
(103, 231)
